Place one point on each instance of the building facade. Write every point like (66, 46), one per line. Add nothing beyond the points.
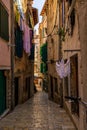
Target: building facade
(43, 47)
(71, 50)
(17, 21)
(82, 9)
(67, 42)
(37, 56)
(5, 47)
(54, 82)
(24, 51)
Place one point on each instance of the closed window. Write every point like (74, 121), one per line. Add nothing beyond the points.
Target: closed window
(66, 86)
(4, 24)
(71, 18)
(74, 83)
(56, 85)
(63, 13)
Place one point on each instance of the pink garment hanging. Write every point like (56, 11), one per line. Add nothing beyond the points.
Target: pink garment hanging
(26, 39)
(31, 37)
(22, 24)
(62, 69)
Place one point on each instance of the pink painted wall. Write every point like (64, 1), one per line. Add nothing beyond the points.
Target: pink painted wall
(4, 48)
(4, 54)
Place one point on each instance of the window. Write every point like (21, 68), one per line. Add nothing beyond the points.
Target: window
(86, 116)
(70, 2)
(63, 13)
(4, 24)
(71, 18)
(56, 85)
(43, 33)
(66, 86)
(27, 87)
(51, 88)
(74, 83)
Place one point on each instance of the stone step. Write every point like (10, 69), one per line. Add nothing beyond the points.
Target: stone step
(68, 127)
(16, 128)
(63, 128)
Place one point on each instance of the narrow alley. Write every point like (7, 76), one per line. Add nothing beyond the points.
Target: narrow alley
(38, 113)
(43, 64)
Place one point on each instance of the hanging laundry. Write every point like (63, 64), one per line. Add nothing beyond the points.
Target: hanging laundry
(21, 24)
(31, 36)
(29, 19)
(67, 68)
(26, 39)
(62, 69)
(31, 24)
(31, 57)
(17, 16)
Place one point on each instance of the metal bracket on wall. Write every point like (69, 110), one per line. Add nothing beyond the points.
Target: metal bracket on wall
(11, 45)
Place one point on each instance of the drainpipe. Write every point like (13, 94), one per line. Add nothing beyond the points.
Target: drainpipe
(60, 57)
(60, 43)
(12, 54)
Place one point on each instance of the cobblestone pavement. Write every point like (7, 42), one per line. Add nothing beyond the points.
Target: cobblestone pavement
(38, 113)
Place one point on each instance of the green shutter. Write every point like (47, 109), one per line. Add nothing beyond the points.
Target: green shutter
(43, 52)
(2, 92)
(41, 67)
(4, 24)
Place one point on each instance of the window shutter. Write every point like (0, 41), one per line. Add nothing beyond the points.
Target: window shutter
(4, 24)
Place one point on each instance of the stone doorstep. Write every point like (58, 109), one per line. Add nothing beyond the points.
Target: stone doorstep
(15, 128)
(68, 128)
(5, 113)
(63, 128)
(62, 110)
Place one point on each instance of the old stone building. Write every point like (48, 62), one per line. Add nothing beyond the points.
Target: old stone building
(74, 86)
(5, 47)
(24, 52)
(71, 51)
(43, 47)
(37, 56)
(54, 82)
(66, 35)
(43, 24)
(82, 12)
(16, 52)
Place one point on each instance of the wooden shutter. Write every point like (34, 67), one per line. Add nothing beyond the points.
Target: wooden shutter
(74, 83)
(4, 24)
(2, 92)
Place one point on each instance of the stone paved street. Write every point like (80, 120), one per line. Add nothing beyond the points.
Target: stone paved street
(38, 113)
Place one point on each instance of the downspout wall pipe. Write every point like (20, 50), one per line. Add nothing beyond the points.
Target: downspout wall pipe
(12, 54)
